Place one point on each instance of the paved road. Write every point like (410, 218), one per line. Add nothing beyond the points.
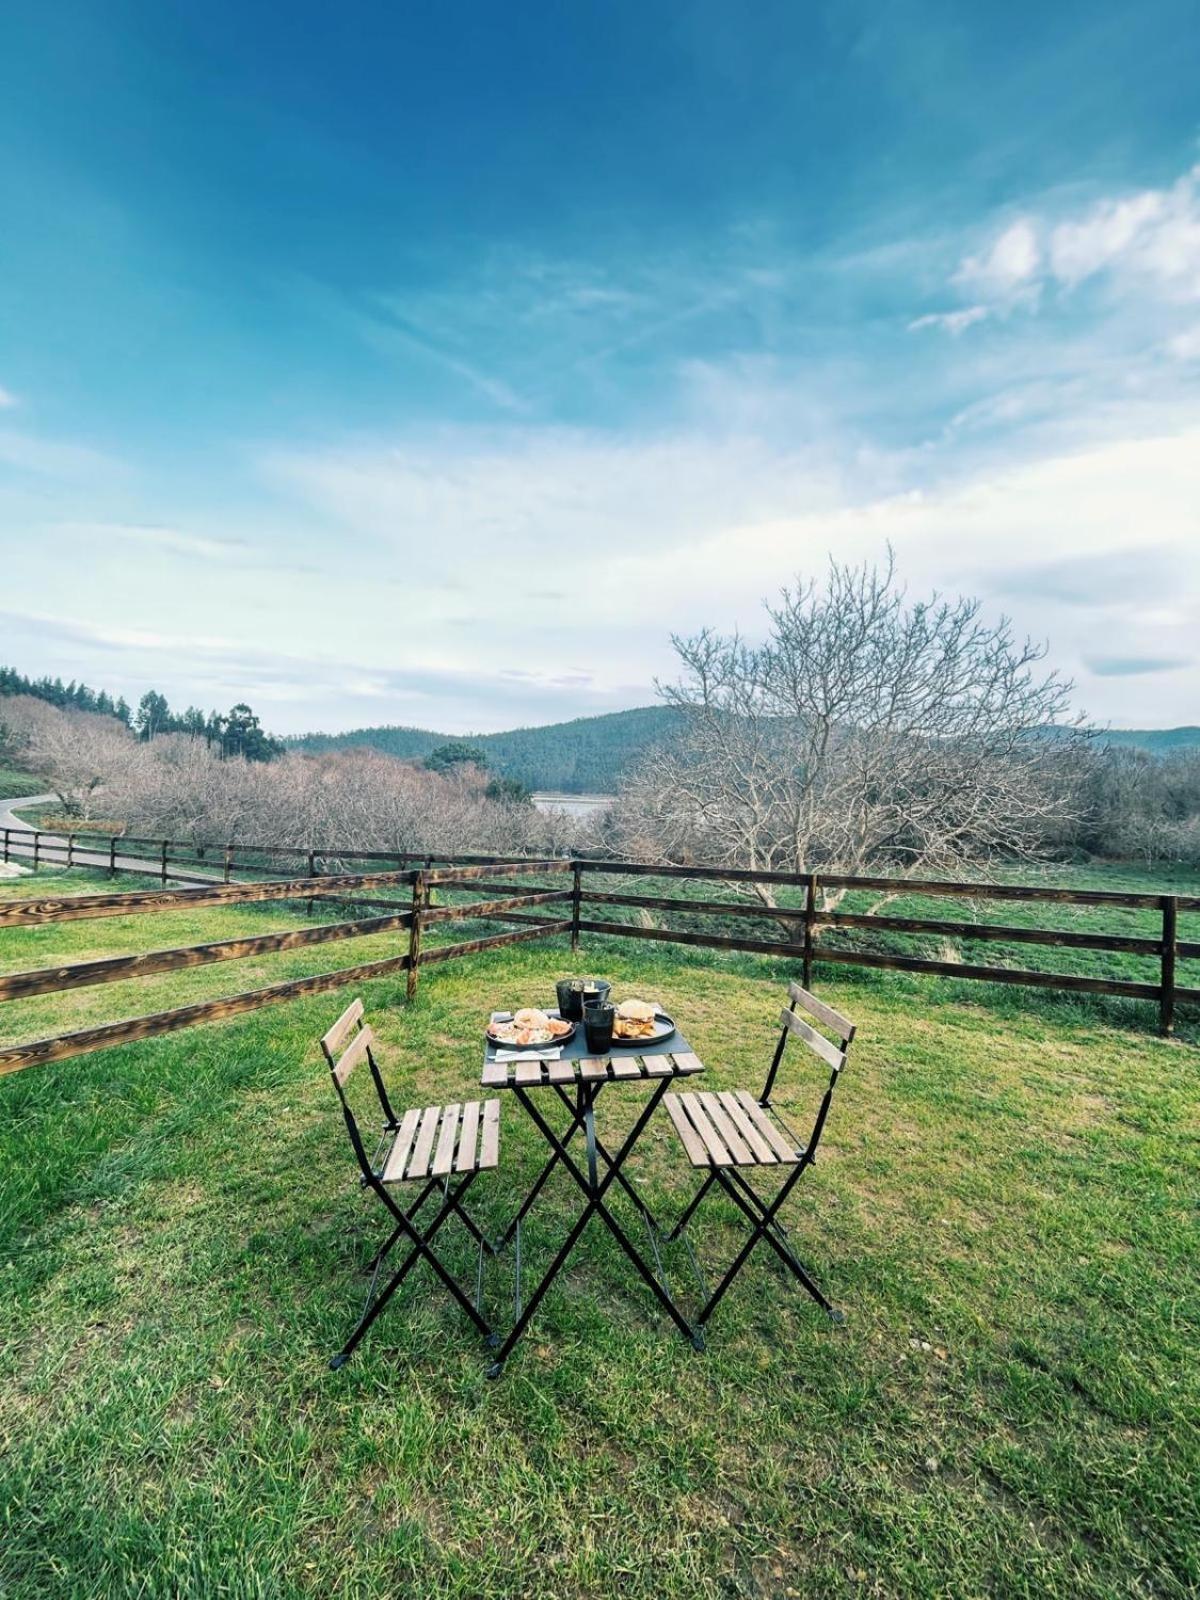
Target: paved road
(19, 848)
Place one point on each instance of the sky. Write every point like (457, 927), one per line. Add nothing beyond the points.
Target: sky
(434, 363)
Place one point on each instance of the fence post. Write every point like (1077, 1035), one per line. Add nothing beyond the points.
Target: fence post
(312, 872)
(810, 917)
(165, 843)
(70, 850)
(414, 933)
(1166, 1000)
(576, 898)
(37, 844)
(228, 860)
(6, 845)
(112, 856)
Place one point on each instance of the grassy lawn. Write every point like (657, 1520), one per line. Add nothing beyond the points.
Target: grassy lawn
(14, 783)
(1005, 1208)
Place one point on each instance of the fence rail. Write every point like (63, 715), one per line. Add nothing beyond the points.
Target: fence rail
(532, 908)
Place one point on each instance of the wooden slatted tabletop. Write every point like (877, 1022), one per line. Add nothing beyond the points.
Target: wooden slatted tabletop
(671, 1057)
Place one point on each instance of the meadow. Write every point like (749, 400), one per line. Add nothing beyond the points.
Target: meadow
(1004, 1207)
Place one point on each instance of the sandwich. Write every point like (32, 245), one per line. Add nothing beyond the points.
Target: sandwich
(634, 1020)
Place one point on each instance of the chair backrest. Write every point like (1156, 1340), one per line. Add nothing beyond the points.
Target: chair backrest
(833, 1055)
(346, 1046)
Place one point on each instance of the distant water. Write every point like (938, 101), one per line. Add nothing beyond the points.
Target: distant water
(575, 805)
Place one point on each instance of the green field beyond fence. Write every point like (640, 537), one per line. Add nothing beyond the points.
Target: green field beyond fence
(1130, 944)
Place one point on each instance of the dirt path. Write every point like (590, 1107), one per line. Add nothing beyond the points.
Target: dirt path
(22, 848)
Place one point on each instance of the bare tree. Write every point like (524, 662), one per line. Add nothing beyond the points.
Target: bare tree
(77, 752)
(178, 787)
(866, 730)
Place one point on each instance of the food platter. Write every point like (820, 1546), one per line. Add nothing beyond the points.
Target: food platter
(506, 1035)
(663, 1028)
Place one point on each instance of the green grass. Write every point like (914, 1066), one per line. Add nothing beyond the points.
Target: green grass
(1005, 1208)
(1112, 920)
(14, 783)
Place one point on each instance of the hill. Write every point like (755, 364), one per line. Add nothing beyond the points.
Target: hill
(590, 754)
(1158, 741)
(586, 755)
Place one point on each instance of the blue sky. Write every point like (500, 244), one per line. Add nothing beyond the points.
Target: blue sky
(432, 363)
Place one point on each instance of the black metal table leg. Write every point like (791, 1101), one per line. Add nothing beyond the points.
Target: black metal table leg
(594, 1188)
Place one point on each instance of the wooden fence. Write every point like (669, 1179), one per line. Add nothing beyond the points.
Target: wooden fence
(418, 915)
(120, 853)
(799, 937)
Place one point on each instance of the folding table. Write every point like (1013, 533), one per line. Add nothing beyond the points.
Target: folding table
(577, 1079)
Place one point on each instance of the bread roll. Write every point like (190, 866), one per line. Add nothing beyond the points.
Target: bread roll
(530, 1017)
(636, 1011)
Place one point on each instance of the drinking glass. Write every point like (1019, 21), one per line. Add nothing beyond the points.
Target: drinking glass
(598, 1019)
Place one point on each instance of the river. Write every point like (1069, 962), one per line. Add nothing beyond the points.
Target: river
(575, 805)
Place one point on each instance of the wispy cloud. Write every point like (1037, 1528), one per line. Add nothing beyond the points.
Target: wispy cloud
(1137, 573)
(7, 398)
(163, 538)
(53, 458)
(394, 330)
(952, 321)
(1145, 244)
(1185, 346)
(1135, 666)
(1008, 268)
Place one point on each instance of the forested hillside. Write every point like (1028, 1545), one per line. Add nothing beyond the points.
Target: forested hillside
(587, 755)
(1158, 741)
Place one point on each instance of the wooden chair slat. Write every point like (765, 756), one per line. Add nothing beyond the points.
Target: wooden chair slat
(355, 1052)
(713, 1143)
(495, 1074)
(686, 1062)
(738, 1147)
(658, 1066)
(393, 1170)
(561, 1072)
(443, 1156)
(626, 1067)
(760, 1119)
(468, 1138)
(418, 1167)
(489, 1144)
(816, 1042)
(336, 1037)
(592, 1067)
(528, 1072)
(841, 1025)
(692, 1143)
(762, 1150)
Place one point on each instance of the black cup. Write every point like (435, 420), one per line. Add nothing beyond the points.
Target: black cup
(575, 993)
(598, 1019)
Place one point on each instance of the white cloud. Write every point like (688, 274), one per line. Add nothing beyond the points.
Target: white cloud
(1145, 244)
(971, 537)
(1008, 267)
(7, 398)
(1150, 238)
(53, 458)
(1079, 249)
(954, 322)
(190, 544)
(1185, 346)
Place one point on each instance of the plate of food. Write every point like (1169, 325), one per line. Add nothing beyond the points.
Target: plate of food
(638, 1022)
(529, 1029)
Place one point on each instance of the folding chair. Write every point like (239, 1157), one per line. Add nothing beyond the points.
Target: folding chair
(440, 1147)
(728, 1133)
